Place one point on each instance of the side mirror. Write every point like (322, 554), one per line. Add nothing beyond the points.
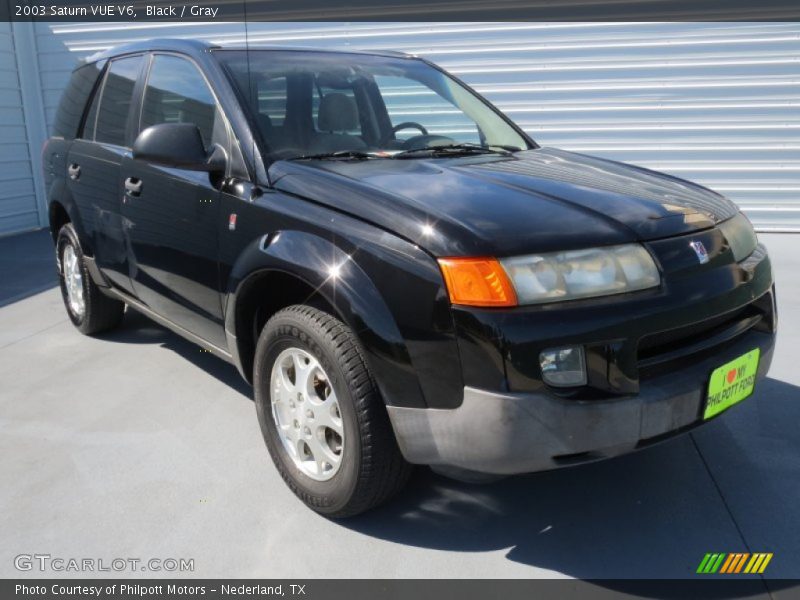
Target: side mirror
(178, 145)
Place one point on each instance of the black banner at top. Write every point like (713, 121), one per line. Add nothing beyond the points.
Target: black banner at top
(400, 10)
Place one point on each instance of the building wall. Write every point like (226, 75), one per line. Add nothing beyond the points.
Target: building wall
(718, 103)
(21, 129)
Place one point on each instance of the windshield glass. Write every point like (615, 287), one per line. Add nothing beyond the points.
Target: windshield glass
(321, 103)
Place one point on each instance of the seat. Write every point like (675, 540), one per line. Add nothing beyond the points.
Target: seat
(338, 114)
(276, 137)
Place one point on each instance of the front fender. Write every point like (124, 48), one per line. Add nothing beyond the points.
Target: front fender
(339, 276)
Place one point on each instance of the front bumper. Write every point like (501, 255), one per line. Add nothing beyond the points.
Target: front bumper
(506, 433)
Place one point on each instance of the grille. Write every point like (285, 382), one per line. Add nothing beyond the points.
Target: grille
(660, 351)
(667, 341)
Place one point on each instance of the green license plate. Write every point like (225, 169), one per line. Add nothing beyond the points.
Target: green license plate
(731, 383)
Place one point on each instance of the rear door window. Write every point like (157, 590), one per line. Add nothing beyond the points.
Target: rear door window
(111, 118)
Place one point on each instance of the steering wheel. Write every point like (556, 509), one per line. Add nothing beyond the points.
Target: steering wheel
(408, 125)
(427, 141)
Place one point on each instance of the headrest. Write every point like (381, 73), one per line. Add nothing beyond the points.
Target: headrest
(337, 112)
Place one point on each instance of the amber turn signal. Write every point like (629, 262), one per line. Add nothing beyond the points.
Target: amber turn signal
(477, 282)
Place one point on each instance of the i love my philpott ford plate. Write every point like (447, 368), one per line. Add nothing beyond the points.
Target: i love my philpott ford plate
(731, 383)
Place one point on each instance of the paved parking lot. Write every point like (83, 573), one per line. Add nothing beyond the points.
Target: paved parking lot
(138, 444)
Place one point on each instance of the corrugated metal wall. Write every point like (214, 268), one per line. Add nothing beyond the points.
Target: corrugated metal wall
(19, 210)
(718, 103)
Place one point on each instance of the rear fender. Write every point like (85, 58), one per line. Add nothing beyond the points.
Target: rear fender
(58, 193)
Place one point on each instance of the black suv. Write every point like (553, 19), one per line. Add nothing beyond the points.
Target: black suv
(403, 275)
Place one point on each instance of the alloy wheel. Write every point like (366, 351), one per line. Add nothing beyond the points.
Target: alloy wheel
(306, 414)
(73, 280)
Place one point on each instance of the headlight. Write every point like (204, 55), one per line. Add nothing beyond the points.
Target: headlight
(575, 274)
(740, 236)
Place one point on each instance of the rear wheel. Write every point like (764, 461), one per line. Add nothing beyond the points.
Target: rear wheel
(88, 308)
(322, 416)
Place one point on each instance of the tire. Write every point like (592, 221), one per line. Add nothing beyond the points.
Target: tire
(97, 312)
(370, 467)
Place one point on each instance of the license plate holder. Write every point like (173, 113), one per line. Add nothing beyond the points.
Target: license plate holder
(731, 383)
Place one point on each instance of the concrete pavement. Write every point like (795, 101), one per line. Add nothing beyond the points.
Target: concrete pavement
(139, 444)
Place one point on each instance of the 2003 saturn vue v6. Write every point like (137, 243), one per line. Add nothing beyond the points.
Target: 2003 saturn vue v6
(403, 275)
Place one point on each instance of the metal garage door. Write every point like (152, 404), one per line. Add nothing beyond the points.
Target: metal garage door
(718, 103)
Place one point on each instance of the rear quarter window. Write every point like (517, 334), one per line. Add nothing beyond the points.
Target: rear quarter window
(74, 99)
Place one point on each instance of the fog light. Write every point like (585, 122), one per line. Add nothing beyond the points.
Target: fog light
(563, 367)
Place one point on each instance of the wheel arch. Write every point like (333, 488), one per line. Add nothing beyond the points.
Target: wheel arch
(58, 217)
(263, 293)
(297, 267)
(62, 209)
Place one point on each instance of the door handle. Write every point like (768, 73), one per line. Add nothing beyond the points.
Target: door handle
(133, 186)
(74, 171)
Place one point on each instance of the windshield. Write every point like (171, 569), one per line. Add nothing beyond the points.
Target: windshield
(336, 105)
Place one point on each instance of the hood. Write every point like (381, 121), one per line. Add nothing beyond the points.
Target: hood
(534, 201)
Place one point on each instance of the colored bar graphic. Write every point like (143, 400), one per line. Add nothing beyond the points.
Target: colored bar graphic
(729, 562)
(740, 564)
(715, 566)
(754, 563)
(704, 563)
(765, 563)
(734, 562)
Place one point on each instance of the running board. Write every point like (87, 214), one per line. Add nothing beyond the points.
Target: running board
(174, 327)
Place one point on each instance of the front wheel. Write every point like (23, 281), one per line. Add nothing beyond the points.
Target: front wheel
(322, 416)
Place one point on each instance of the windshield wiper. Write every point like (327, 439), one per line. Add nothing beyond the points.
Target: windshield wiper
(456, 149)
(352, 154)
